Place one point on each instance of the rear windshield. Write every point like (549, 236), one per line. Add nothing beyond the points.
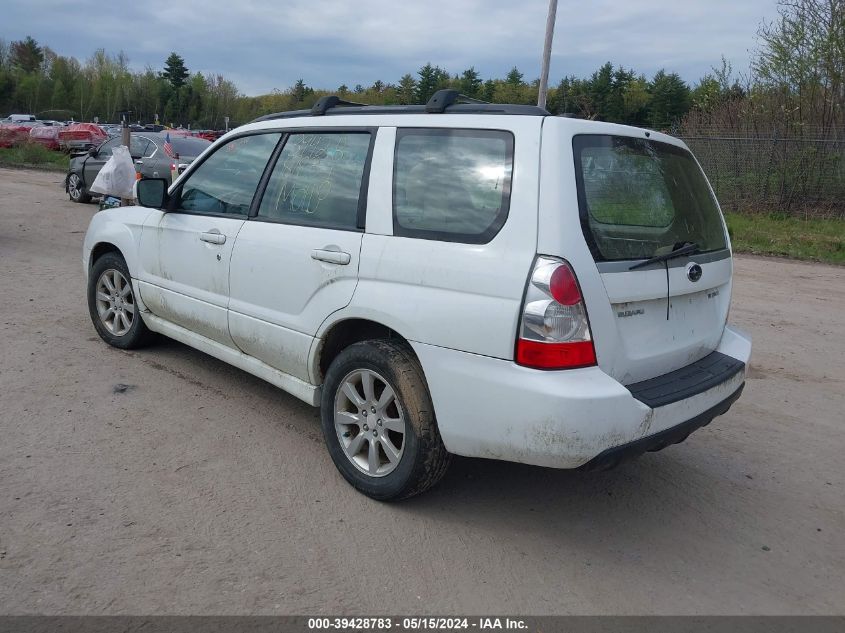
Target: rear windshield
(189, 146)
(639, 197)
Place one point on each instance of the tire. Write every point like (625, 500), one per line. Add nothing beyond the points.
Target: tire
(112, 305)
(421, 459)
(76, 190)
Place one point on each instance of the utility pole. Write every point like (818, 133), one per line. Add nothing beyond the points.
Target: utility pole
(547, 54)
(125, 140)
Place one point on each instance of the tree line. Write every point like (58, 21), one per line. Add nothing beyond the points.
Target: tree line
(35, 79)
(796, 78)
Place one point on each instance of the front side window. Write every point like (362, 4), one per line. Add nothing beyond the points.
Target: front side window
(639, 198)
(226, 181)
(105, 150)
(317, 180)
(451, 185)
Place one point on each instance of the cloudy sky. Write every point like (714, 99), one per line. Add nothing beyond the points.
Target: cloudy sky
(267, 44)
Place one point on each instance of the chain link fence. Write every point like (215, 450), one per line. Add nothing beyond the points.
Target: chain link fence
(802, 177)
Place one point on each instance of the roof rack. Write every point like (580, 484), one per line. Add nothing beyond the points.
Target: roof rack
(442, 99)
(331, 101)
(445, 101)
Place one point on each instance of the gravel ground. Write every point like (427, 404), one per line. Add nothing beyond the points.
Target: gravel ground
(166, 481)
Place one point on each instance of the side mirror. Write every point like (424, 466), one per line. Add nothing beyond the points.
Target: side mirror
(92, 151)
(152, 192)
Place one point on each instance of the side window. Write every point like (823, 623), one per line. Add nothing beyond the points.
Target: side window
(151, 149)
(226, 181)
(138, 146)
(451, 185)
(317, 180)
(105, 150)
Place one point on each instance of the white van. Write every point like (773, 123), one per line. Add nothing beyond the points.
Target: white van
(456, 278)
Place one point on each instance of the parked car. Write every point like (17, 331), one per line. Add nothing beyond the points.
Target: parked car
(14, 134)
(81, 136)
(471, 279)
(111, 129)
(150, 155)
(46, 135)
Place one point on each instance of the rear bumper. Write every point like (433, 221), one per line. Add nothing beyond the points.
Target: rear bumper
(611, 457)
(567, 419)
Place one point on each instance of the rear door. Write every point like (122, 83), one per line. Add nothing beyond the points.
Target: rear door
(640, 198)
(296, 261)
(637, 198)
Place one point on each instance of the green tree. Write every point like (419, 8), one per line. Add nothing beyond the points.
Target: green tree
(175, 70)
(636, 100)
(407, 89)
(801, 56)
(514, 77)
(600, 90)
(26, 55)
(432, 78)
(300, 91)
(470, 82)
(670, 100)
(707, 94)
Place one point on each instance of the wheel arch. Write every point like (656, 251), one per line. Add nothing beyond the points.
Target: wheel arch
(337, 335)
(101, 248)
(118, 230)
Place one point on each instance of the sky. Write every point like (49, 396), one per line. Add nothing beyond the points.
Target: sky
(263, 45)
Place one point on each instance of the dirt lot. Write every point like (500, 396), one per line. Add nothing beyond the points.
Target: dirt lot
(196, 488)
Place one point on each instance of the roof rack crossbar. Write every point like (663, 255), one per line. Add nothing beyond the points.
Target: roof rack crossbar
(456, 106)
(442, 99)
(331, 101)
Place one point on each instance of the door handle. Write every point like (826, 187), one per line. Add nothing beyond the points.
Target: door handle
(213, 237)
(332, 257)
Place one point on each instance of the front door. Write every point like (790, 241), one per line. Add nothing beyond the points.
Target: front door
(185, 251)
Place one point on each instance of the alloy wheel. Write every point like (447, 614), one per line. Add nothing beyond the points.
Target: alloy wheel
(369, 422)
(74, 187)
(115, 302)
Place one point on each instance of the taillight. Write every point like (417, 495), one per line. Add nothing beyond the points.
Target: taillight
(554, 332)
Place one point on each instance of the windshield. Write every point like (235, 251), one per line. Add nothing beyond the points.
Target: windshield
(637, 197)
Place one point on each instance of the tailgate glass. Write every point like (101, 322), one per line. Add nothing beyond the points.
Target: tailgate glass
(639, 198)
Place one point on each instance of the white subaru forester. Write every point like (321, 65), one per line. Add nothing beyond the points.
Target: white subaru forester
(483, 280)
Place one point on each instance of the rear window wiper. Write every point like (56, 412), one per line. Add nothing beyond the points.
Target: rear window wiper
(687, 248)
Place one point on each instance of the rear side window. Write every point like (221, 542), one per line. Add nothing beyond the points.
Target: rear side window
(451, 185)
(639, 198)
(138, 146)
(317, 180)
